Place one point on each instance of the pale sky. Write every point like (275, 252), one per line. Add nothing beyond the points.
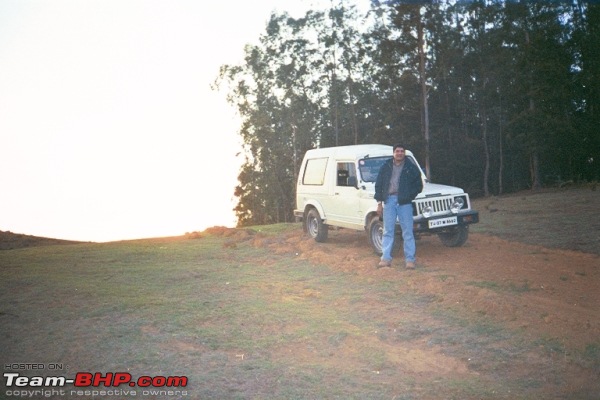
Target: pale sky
(108, 127)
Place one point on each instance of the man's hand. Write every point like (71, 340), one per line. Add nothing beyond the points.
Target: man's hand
(379, 209)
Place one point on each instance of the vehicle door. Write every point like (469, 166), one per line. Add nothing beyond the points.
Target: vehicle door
(345, 199)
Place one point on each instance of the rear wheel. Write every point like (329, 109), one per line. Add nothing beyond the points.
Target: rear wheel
(455, 238)
(315, 227)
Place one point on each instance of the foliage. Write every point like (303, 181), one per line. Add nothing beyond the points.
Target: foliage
(493, 96)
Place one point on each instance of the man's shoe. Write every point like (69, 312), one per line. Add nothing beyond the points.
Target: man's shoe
(384, 263)
(410, 265)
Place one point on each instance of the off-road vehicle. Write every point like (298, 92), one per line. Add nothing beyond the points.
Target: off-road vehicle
(336, 186)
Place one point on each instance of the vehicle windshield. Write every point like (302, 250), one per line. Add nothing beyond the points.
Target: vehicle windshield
(369, 167)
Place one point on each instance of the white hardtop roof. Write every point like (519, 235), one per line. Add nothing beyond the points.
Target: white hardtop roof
(354, 151)
(358, 151)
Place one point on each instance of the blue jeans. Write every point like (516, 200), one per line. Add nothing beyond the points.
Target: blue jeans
(393, 211)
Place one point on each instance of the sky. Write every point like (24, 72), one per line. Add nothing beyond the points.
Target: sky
(109, 129)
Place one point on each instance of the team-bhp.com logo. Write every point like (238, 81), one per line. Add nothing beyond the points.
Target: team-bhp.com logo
(17, 382)
(87, 379)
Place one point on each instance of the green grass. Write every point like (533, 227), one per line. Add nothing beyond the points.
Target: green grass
(497, 287)
(590, 357)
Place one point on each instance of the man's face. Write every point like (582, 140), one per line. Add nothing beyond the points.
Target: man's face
(399, 154)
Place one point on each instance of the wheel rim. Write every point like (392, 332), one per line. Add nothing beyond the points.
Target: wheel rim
(313, 226)
(377, 236)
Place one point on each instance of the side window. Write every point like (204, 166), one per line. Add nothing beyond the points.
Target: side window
(345, 171)
(314, 173)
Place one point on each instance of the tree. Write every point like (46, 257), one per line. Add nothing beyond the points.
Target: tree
(484, 62)
(585, 48)
(493, 95)
(542, 84)
(284, 103)
(408, 19)
(275, 99)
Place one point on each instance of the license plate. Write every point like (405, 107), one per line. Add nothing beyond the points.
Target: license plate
(438, 223)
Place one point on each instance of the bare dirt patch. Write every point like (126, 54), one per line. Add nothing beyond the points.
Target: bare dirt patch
(548, 294)
(545, 291)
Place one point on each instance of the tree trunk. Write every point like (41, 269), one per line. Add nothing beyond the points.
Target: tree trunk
(336, 128)
(501, 152)
(352, 111)
(535, 157)
(423, 82)
(535, 170)
(486, 151)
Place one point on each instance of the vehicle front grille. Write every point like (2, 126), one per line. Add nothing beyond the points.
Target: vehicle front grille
(440, 205)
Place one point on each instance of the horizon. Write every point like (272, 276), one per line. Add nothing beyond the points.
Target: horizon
(109, 127)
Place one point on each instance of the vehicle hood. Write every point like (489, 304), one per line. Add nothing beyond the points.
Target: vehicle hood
(429, 189)
(432, 189)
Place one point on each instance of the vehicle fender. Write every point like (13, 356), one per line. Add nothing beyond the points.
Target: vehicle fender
(371, 212)
(314, 204)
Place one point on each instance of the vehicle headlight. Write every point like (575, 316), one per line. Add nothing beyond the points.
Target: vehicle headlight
(427, 211)
(457, 205)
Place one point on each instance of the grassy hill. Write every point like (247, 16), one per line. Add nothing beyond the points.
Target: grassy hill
(9, 241)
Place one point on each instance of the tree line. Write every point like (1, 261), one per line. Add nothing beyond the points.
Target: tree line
(491, 96)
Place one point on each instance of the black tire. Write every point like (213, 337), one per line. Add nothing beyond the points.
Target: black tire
(375, 234)
(455, 238)
(315, 227)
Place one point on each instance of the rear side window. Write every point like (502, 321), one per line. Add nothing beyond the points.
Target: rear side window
(314, 173)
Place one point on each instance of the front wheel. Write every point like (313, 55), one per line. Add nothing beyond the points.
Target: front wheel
(375, 234)
(455, 238)
(315, 227)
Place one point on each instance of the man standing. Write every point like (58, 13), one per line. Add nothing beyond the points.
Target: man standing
(398, 183)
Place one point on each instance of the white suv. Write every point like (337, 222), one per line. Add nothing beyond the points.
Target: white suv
(336, 186)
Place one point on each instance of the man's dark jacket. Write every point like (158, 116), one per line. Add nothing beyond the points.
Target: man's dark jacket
(410, 184)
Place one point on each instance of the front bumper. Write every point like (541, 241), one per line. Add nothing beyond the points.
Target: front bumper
(421, 224)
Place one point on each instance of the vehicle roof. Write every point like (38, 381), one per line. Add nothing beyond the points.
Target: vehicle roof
(354, 151)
